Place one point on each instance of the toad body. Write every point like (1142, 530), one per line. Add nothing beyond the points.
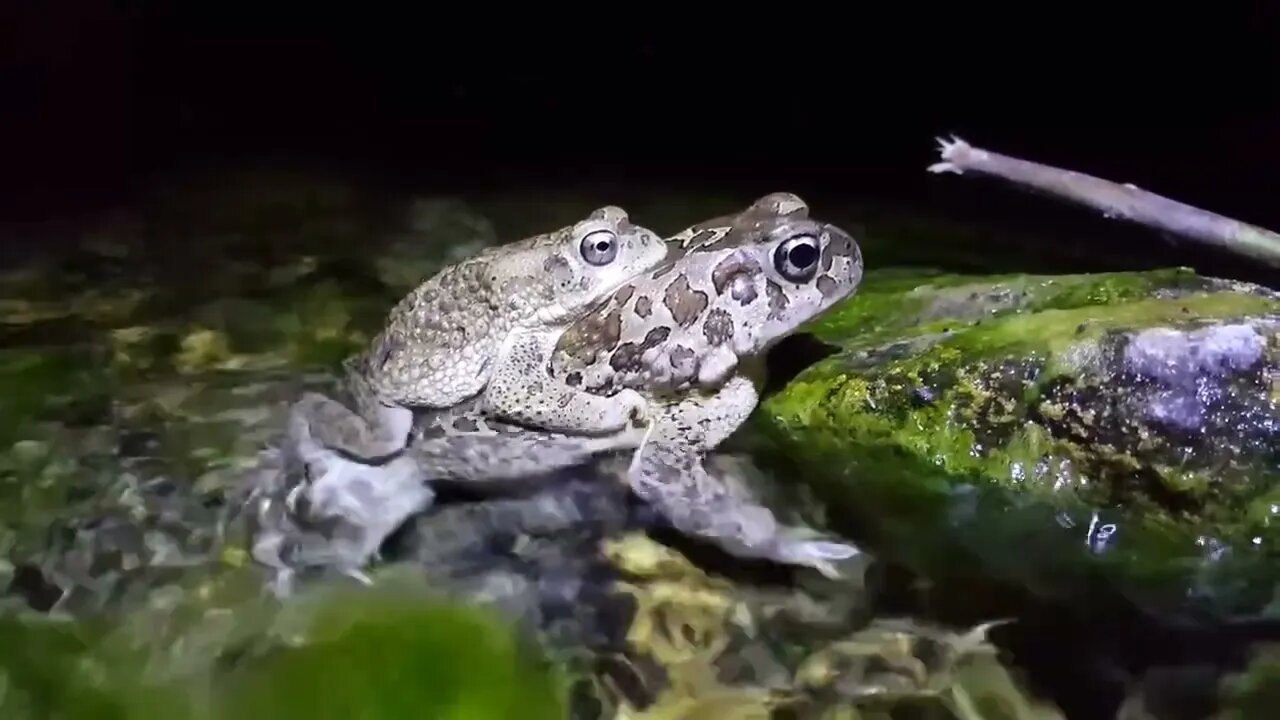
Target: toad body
(473, 330)
(685, 337)
(690, 336)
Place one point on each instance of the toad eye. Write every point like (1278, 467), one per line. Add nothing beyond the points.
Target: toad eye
(796, 259)
(599, 247)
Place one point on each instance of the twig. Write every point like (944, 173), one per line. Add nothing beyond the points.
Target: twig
(1114, 200)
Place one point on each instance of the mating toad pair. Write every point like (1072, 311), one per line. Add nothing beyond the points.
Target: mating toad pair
(598, 337)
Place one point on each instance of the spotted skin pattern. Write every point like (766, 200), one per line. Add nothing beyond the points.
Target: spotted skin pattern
(686, 336)
(474, 329)
(690, 336)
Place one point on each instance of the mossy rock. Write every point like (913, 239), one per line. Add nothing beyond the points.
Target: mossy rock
(1041, 430)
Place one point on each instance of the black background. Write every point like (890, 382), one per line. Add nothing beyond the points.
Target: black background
(99, 98)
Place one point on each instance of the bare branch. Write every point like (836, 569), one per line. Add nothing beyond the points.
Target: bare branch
(1114, 200)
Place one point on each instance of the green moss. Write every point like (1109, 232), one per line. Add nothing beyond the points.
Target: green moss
(378, 654)
(901, 303)
(396, 657)
(42, 674)
(882, 410)
(1054, 332)
(1074, 291)
(970, 426)
(1019, 410)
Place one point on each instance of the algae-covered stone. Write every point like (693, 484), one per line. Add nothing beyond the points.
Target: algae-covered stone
(1046, 426)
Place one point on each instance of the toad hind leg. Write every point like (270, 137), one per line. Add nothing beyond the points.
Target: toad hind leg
(344, 509)
(677, 485)
(668, 473)
(371, 433)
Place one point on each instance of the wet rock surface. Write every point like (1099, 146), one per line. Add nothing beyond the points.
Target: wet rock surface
(1132, 417)
(1095, 451)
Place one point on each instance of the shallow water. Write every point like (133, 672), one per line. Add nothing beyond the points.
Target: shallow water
(148, 355)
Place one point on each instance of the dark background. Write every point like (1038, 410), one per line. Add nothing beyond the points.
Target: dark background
(99, 100)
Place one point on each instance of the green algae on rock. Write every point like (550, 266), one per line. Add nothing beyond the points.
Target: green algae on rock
(1130, 419)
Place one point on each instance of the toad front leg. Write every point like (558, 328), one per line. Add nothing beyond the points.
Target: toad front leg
(521, 391)
(668, 473)
(371, 433)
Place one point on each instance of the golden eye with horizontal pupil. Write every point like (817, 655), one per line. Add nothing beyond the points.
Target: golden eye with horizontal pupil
(796, 259)
(599, 247)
